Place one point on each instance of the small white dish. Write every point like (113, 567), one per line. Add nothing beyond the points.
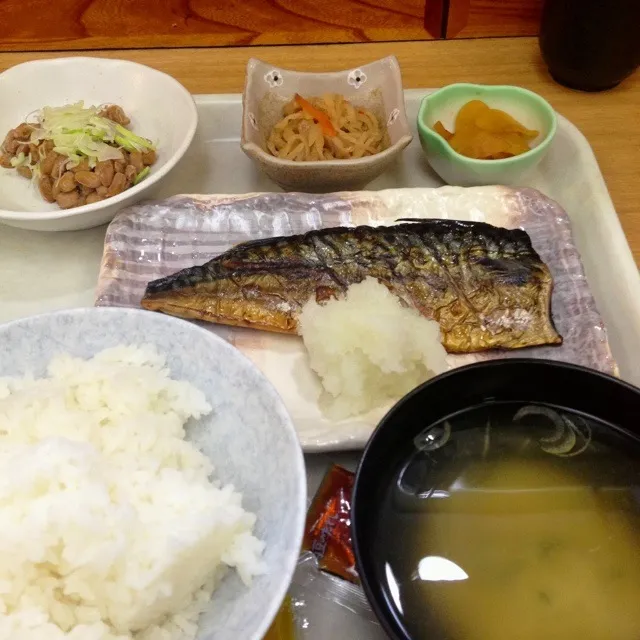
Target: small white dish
(160, 108)
(248, 436)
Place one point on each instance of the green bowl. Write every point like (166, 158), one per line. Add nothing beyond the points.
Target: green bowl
(525, 106)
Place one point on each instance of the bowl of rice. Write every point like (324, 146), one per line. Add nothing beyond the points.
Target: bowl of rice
(151, 482)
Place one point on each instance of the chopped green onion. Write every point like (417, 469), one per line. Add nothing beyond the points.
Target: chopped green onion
(78, 132)
(19, 160)
(130, 138)
(142, 175)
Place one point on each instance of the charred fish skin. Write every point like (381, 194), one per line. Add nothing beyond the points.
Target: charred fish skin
(486, 286)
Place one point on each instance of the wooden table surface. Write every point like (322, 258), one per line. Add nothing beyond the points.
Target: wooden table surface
(609, 120)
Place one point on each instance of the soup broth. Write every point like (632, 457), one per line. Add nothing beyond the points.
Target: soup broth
(503, 529)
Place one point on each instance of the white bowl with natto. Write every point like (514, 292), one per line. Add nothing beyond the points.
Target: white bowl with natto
(376, 86)
(160, 108)
(248, 436)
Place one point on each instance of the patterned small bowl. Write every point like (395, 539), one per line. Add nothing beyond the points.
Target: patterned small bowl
(525, 106)
(376, 86)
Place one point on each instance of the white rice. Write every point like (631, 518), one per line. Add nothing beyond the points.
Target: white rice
(110, 526)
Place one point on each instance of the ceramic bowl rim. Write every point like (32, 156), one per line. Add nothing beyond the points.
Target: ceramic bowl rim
(257, 152)
(153, 178)
(426, 132)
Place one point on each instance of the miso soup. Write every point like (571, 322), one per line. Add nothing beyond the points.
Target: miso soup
(497, 528)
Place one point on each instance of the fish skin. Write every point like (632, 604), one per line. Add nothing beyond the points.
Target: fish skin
(486, 286)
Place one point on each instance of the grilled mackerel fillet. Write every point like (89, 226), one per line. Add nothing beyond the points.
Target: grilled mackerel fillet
(486, 286)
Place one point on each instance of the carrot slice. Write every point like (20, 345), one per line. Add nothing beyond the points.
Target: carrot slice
(320, 117)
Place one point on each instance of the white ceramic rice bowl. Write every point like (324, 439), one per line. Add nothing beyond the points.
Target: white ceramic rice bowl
(248, 436)
(160, 108)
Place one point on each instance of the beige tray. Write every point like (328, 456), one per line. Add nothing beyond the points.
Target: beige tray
(41, 271)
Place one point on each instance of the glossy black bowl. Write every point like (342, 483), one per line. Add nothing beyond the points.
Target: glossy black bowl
(597, 396)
